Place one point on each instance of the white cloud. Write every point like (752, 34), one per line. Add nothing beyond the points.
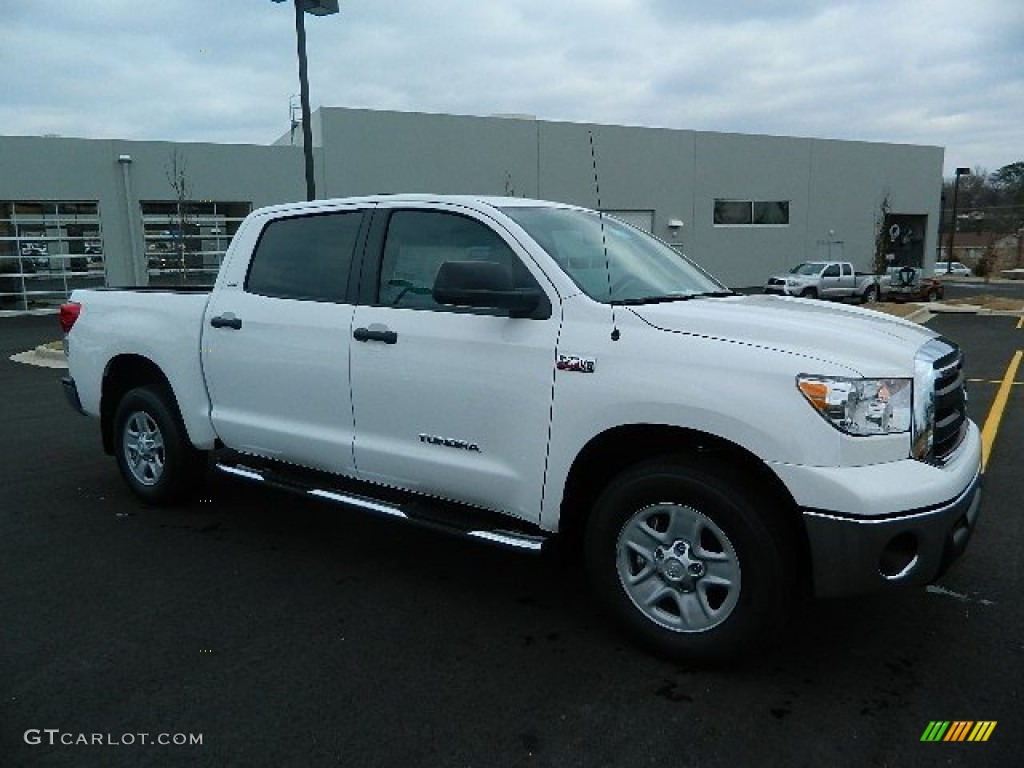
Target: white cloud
(915, 71)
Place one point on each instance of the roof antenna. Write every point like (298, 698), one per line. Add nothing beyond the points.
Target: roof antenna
(604, 241)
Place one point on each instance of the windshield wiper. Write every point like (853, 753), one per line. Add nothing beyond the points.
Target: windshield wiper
(675, 297)
(656, 299)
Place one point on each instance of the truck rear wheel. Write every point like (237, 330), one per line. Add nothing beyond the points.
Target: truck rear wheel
(152, 447)
(870, 295)
(688, 564)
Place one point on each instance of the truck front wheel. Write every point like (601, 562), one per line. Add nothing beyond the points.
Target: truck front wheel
(152, 447)
(809, 293)
(687, 563)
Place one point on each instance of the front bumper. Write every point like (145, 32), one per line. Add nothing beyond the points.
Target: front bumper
(854, 555)
(897, 523)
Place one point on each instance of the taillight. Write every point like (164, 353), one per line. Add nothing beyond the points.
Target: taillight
(69, 314)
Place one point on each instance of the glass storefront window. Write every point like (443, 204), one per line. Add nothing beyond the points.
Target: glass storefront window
(185, 242)
(47, 249)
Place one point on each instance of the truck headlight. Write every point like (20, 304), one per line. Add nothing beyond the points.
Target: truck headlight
(861, 406)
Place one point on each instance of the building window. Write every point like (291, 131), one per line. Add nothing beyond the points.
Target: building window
(47, 249)
(186, 241)
(769, 213)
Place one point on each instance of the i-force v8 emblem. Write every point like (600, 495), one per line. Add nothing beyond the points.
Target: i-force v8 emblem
(575, 363)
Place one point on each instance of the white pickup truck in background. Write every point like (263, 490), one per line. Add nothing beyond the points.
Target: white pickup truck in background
(513, 369)
(825, 280)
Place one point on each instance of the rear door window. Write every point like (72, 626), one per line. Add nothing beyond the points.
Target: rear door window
(306, 257)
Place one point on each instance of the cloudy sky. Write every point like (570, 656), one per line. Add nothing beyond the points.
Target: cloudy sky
(939, 72)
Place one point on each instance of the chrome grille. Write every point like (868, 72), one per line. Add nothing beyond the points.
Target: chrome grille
(950, 403)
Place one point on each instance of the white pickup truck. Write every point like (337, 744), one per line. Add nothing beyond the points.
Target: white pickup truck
(825, 280)
(513, 369)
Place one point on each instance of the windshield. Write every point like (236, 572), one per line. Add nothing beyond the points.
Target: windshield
(808, 268)
(611, 261)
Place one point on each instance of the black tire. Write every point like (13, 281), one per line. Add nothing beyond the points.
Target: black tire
(933, 295)
(152, 447)
(809, 293)
(737, 540)
(870, 295)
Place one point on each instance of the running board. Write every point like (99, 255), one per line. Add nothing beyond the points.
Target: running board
(447, 517)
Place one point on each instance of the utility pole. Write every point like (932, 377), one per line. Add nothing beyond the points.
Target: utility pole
(952, 227)
(317, 8)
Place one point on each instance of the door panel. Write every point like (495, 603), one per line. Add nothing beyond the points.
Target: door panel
(279, 384)
(276, 353)
(451, 403)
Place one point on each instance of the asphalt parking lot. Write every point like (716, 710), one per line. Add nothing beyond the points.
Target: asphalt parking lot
(288, 632)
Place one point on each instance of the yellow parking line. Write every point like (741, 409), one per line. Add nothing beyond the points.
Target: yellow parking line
(995, 414)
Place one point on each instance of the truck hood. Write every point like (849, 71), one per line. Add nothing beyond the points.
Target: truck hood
(870, 343)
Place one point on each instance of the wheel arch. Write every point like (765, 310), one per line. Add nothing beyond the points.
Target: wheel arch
(611, 452)
(124, 373)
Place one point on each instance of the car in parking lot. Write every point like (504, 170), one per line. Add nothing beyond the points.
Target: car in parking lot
(908, 283)
(957, 268)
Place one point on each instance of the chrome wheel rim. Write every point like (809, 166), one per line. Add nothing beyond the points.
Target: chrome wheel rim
(678, 567)
(144, 448)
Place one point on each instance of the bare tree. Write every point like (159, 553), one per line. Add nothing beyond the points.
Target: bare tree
(510, 187)
(883, 242)
(987, 202)
(176, 170)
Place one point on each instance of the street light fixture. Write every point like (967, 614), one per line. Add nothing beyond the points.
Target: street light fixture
(952, 227)
(317, 8)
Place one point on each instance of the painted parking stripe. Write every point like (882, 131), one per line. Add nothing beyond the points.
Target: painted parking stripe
(995, 414)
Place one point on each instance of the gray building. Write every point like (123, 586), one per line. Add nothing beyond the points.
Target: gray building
(92, 212)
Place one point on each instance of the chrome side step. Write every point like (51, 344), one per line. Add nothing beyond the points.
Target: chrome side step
(413, 511)
(358, 501)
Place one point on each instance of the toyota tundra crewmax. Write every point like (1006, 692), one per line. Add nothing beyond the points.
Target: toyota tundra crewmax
(514, 370)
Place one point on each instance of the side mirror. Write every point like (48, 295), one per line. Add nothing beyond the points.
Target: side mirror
(486, 285)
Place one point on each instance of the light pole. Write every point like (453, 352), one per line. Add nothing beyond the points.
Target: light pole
(952, 225)
(317, 8)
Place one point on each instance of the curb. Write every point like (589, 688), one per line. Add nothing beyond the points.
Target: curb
(41, 357)
(32, 357)
(28, 312)
(920, 315)
(44, 352)
(927, 311)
